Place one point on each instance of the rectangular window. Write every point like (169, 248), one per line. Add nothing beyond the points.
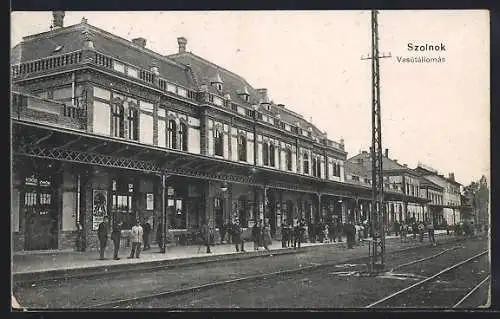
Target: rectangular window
(217, 101)
(117, 66)
(171, 88)
(182, 92)
(132, 72)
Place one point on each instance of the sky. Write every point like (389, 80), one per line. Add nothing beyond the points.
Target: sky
(437, 114)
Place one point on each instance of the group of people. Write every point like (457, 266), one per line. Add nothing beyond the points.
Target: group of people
(415, 228)
(139, 235)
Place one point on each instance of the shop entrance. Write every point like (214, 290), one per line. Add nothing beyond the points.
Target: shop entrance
(41, 217)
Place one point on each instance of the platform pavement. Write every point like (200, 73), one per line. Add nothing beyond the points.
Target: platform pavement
(59, 264)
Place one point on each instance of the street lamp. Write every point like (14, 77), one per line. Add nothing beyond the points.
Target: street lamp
(224, 187)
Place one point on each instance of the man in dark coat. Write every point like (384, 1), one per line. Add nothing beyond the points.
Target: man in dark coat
(206, 233)
(284, 235)
(339, 230)
(236, 237)
(256, 235)
(350, 231)
(115, 237)
(102, 235)
(146, 231)
(159, 236)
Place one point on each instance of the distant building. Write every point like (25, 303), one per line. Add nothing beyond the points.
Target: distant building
(398, 179)
(450, 202)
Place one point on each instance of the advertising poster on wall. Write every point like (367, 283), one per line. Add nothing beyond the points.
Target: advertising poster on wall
(99, 207)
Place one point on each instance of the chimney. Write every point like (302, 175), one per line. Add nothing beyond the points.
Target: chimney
(387, 152)
(140, 42)
(182, 41)
(58, 19)
(452, 176)
(263, 95)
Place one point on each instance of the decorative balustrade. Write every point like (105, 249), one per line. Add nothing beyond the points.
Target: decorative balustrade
(29, 107)
(48, 63)
(105, 61)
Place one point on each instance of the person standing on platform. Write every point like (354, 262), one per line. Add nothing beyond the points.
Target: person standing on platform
(136, 234)
(350, 231)
(256, 235)
(102, 235)
(146, 228)
(266, 236)
(284, 235)
(340, 227)
(237, 238)
(430, 230)
(206, 234)
(421, 230)
(115, 237)
(159, 235)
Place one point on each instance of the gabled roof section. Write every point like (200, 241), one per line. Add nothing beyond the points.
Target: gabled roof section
(364, 158)
(356, 169)
(206, 71)
(234, 84)
(71, 38)
(424, 182)
(16, 54)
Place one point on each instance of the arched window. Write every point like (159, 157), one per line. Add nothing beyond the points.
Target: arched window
(314, 167)
(172, 134)
(242, 148)
(288, 159)
(132, 124)
(183, 137)
(338, 170)
(117, 125)
(265, 153)
(334, 173)
(271, 155)
(306, 163)
(218, 143)
(318, 167)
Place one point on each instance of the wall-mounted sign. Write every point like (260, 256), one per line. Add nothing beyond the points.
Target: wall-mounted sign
(99, 207)
(149, 201)
(170, 191)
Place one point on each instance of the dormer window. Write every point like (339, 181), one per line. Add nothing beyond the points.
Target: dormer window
(217, 82)
(244, 94)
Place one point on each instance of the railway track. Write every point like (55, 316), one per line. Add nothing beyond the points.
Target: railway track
(391, 300)
(124, 302)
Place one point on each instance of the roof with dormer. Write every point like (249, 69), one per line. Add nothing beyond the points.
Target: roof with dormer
(234, 85)
(71, 38)
(388, 165)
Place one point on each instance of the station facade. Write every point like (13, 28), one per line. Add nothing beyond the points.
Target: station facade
(103, 126)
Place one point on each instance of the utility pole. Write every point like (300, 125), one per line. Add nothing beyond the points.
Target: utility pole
(377, 246)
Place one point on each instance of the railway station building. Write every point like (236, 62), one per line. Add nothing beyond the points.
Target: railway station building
(104, 126)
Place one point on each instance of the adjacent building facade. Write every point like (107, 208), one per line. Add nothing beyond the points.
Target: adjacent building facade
(445, 198)
(103, 126)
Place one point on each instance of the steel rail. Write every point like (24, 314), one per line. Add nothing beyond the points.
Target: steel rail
(116, 303)
(471, 292)
(397, 293)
